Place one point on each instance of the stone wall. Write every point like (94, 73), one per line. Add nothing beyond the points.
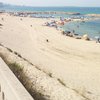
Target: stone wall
(10, 87)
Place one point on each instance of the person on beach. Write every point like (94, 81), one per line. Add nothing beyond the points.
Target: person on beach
(73, 31)
(61, 18)
(2, 19)
(77, 26)
(98, 40)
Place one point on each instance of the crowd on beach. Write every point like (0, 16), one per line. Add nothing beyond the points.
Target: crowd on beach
(59, 24)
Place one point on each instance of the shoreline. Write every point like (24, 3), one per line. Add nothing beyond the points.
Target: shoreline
(58, 24)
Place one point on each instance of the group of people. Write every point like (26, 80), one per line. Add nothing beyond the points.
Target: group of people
(98, 40)
(59, 24)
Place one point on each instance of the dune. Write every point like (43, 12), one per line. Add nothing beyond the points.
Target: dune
(75, 62)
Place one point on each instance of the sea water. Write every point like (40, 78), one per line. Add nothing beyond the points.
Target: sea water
(82, 10)
(92, 28)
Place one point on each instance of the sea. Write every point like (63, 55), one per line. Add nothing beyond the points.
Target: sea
(92, 28)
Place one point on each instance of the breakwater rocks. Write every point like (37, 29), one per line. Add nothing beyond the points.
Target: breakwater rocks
(46, 12)
(94, 15)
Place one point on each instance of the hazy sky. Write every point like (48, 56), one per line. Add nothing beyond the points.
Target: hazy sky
(54, 2)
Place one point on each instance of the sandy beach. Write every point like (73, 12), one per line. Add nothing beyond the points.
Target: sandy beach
(75, 62)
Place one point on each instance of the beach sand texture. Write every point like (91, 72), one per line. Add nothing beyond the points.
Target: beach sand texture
(75, 62)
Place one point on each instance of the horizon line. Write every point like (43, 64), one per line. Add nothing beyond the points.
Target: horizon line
(46, 6)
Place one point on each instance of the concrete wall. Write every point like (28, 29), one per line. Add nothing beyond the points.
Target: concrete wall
(10, 87)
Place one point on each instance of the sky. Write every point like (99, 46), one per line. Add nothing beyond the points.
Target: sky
(83, 3)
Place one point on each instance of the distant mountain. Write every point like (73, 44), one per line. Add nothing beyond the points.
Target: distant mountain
(1, 4)
(7, 5)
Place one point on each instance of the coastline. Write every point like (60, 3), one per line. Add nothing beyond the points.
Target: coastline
(63, 20)
(74, 61)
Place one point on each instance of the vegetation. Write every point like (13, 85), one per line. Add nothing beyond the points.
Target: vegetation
(9, 49)
(17, 54)
(21, 75)
(60, 81)
(15, 68)
(50, 74)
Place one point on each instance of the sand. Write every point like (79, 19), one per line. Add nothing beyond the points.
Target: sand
(40, 84)
(75, 62)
